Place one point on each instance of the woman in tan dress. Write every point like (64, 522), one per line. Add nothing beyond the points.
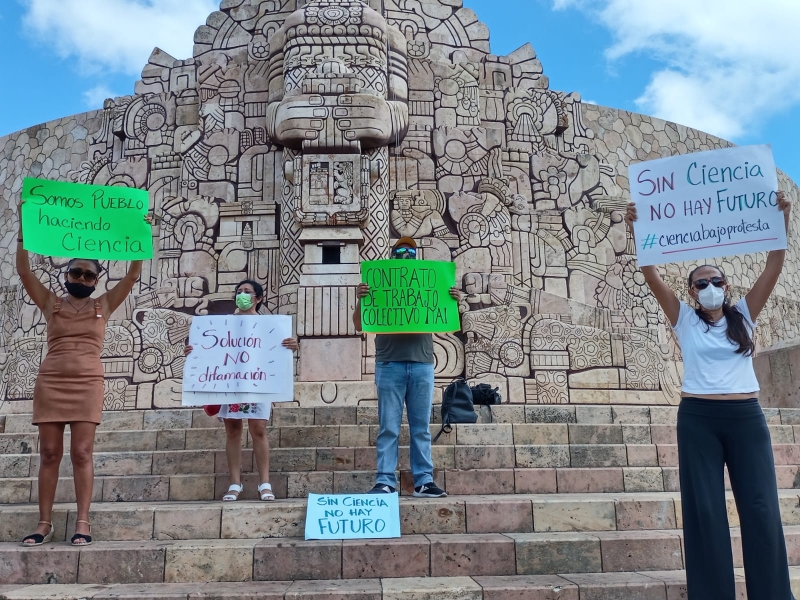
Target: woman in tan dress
(69, 386)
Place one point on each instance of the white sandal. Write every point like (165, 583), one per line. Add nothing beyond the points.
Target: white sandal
(233, 492)
(265, 491)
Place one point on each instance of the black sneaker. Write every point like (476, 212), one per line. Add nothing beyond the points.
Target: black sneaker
(382, 488)
(429, 490)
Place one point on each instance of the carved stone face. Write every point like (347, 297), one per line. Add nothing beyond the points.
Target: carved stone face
(403, 201)
(343, 42)
(331, 77)
(333, 67)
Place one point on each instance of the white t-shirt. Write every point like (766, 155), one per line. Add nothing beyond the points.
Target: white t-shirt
(710, 362)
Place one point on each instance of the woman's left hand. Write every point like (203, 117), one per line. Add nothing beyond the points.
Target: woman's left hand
(291, 344)
(455, 294)
(785, 206)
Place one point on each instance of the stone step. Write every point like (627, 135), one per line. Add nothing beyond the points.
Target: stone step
(415, 555)
(291, 415)
(355, 436)
(367, 414)
(297, 484)
(481, 456)
(348, 436)
(529, 513)
(644, 585)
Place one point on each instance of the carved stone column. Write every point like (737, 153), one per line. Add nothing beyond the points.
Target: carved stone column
(338, 93)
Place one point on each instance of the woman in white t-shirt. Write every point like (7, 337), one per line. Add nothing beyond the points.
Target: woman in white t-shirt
(721, 423)
(249, 296)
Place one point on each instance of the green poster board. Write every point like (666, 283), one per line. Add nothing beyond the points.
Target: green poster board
(85, 221)
(409, 296)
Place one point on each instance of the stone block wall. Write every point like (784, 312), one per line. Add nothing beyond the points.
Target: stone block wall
(778, 373)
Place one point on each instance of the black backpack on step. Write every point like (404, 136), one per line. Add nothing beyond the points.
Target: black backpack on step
(485, 395)
(456, 406)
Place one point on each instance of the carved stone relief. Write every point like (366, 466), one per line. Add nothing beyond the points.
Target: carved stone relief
(303, 137)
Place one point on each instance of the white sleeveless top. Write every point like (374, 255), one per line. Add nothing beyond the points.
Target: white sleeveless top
(710, 362)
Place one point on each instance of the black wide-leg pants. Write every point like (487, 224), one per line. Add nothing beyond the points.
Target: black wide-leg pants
(711, 434)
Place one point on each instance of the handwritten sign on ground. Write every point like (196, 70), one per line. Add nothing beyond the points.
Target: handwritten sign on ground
(237, 354)
(87, 221)
(352, 517)
(409, 296)
(706, 205)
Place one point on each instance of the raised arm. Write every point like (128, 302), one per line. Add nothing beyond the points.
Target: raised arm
(758, 296)
(664, 295)
(114, 297)
(361, 291)
(41, 296)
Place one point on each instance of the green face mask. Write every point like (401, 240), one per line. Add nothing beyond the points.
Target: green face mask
(244, 301)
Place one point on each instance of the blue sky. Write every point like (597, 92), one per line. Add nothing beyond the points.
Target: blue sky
(727, 69)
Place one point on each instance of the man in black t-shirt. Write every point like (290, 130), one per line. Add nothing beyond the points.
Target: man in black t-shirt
(404, 376)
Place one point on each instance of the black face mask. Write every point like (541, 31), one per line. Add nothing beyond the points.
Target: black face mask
(79, 290)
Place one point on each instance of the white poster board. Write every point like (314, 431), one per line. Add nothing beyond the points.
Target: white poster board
(706, 205)
(352, 516)
(238, 358)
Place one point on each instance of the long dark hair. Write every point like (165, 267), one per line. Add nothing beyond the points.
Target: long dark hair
(738, 331)
(259, 291)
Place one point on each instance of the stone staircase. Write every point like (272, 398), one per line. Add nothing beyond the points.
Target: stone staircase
(547, 503)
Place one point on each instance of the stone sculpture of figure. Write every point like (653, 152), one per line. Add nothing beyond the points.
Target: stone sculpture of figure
(338, 89)
(343, 183)
(418, 213)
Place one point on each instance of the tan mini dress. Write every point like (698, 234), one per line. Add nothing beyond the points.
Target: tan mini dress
(69, 387)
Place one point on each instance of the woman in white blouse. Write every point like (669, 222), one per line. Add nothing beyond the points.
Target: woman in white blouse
(721, 423)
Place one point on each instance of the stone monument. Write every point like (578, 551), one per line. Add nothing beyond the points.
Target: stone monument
(303, 137)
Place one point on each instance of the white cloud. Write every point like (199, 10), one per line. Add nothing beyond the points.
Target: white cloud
(95, 97)
(728, 65)
(116, 35)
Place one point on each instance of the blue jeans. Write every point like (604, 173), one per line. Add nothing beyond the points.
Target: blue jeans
(409, 383)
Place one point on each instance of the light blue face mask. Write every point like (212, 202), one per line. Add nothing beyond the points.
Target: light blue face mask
(244, 301)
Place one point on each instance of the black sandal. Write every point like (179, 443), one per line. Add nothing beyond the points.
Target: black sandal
(38, 538)
(82, 536)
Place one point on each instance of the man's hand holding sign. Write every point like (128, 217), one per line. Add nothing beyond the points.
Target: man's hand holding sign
(416, 297)
(407, 295)
(411, 299)
(406, 301)
(707, 205)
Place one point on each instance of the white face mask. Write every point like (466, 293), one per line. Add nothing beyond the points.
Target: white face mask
(711, 298)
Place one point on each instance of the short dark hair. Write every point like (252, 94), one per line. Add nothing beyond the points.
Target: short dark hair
(257, 288)
(95, 262)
